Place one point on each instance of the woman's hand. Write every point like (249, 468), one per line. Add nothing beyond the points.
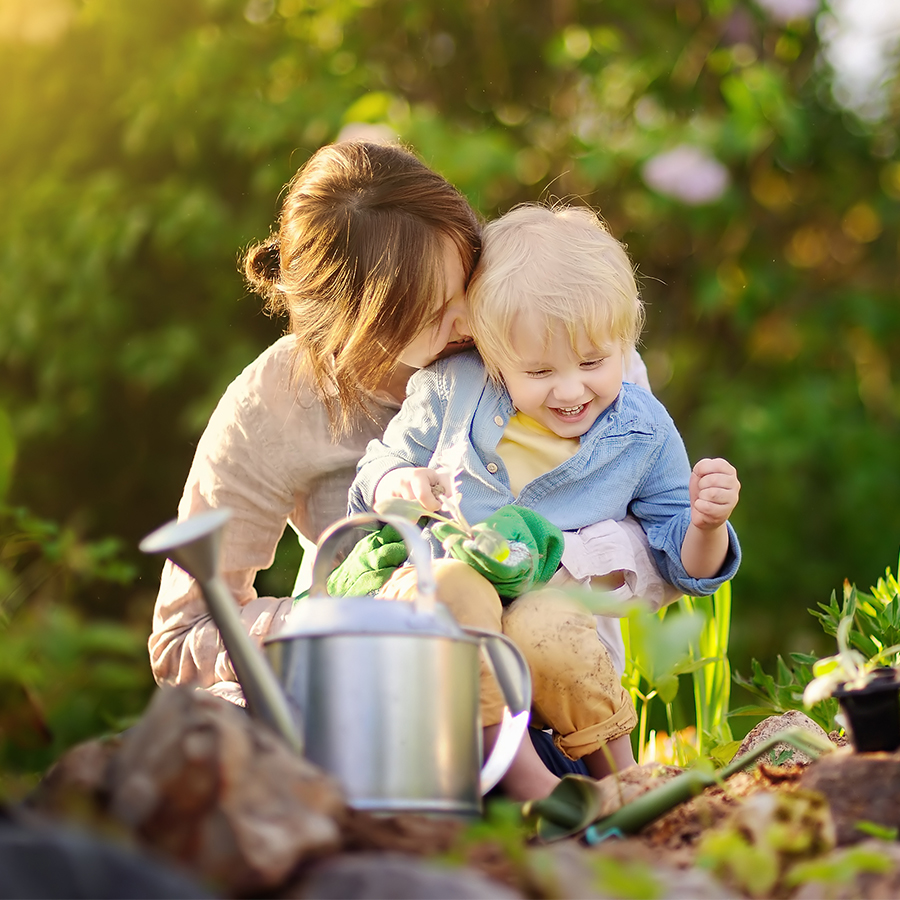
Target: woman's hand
(426, 486)
(714, 491)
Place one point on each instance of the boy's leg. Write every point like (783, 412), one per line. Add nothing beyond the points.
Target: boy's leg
(538, 766)
(528, 778)
(615, 756)
(554, 759)
(577, 691)
(474, 602)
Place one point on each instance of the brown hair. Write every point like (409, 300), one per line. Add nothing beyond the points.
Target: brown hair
(357, 264)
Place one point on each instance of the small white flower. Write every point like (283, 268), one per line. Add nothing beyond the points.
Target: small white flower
(819, 689)
(688, 174)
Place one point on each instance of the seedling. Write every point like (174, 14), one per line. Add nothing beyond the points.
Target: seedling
(847, 669)
(867, 628)
(484, 538)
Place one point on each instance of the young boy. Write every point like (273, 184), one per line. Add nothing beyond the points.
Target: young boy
(542, 419)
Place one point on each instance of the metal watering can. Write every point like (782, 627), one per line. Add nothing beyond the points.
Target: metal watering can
(383, 694)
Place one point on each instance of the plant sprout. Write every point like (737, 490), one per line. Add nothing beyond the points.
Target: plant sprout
(448, 466)
(847, 667)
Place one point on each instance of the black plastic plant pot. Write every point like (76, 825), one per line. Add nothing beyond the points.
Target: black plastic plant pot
(873, 712)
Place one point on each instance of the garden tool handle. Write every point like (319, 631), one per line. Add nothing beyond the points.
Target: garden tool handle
(420, 553)
(510, 668)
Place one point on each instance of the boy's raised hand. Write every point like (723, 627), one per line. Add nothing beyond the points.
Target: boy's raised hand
(714, 490)
(425, 486)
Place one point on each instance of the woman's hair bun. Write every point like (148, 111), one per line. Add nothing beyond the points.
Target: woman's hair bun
(262, 265)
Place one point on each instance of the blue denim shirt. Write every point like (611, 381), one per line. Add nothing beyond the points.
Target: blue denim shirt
(632, 459)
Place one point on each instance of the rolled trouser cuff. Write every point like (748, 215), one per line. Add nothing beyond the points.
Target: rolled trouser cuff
(581, 743)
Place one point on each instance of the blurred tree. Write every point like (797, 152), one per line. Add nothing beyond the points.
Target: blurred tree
(143, 145)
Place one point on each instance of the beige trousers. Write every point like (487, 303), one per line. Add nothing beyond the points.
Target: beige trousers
(576, 691)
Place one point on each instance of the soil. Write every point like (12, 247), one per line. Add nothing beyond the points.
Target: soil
(671, 839)
(200, 784)
(851, 783)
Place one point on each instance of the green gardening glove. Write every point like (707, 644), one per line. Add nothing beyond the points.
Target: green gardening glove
(369, 564)
(535, 549)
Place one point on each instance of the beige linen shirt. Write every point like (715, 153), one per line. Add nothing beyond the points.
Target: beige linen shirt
(266, 454)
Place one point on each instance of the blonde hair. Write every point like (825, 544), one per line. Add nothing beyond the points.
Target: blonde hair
(357, 263)
(551, 264)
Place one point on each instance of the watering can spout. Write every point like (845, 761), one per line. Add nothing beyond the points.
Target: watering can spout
(193, 545)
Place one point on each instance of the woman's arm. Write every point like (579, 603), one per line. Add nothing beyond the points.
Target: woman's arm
(267, 455)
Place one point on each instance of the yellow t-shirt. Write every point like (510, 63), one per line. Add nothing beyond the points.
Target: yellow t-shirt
(530, 450)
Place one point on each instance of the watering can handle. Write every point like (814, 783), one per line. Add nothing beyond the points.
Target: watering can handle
(326, 551)
(510, 668)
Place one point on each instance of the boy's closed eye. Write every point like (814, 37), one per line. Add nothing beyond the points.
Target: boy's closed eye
(588, 364)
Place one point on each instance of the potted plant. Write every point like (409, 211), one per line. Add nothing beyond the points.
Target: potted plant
(866, 689)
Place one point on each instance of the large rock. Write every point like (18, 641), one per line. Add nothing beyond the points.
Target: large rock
(859, 787)
(213, 789)
(780, 754)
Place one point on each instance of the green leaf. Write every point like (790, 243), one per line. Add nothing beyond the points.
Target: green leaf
(722, 754)
(750, 711)
(873, 829)
(663, 644)
(692, 665)
(667, 687)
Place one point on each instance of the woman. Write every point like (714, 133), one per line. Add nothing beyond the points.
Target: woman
(370, 261)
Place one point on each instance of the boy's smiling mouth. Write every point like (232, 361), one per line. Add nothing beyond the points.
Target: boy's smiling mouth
(570, 412)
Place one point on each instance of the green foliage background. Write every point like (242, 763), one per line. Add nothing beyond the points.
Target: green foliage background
(142, 145)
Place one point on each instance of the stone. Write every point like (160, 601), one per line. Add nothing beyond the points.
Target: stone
(765, 837)
(365, 876)
(859, 787)
(44, 859)
(870, 869)
(571, 870)
(780, 754)
(212, 789)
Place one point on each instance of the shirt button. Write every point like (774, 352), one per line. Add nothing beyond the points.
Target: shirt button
(498, 420)
(492, 468)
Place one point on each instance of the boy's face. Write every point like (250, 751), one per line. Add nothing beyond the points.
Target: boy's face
(565, 388)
